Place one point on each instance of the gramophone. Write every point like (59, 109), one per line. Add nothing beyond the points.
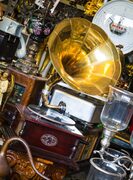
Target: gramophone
(84, 58)
(87, 60)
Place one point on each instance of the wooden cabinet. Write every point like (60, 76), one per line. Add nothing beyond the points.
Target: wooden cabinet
(27, 88)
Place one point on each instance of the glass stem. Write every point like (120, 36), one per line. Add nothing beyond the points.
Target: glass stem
(105, 142)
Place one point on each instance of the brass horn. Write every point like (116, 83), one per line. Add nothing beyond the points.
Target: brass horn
(84, 56)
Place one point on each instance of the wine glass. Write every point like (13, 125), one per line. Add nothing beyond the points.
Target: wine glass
(116, 114)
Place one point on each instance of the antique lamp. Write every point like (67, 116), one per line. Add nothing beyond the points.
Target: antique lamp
(4, 166)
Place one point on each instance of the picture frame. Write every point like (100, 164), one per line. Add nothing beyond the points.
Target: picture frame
(84, 151)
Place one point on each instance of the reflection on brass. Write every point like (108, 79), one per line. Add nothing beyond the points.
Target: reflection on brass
(4, 166)
(40, 51)
(84, 56)
(92, 6)
(22, 170)
(45, 62)
(20, 164)
(48, 86)
(52, 81)
(51, 71)
(58, 172)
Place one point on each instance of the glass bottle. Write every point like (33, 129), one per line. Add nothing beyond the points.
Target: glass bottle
(118, 110)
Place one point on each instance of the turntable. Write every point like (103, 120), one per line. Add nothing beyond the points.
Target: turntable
(51, 115)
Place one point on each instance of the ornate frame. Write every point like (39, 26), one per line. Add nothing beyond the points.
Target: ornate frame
(84, 151)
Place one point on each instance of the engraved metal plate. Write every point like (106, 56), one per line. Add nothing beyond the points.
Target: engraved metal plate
(49, 140)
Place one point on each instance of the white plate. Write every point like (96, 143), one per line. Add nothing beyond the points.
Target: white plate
(116, 19)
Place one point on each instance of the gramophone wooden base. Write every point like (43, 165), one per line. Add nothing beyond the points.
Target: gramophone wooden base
(22, 170)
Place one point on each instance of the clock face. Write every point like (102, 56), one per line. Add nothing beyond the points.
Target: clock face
(116, 19)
